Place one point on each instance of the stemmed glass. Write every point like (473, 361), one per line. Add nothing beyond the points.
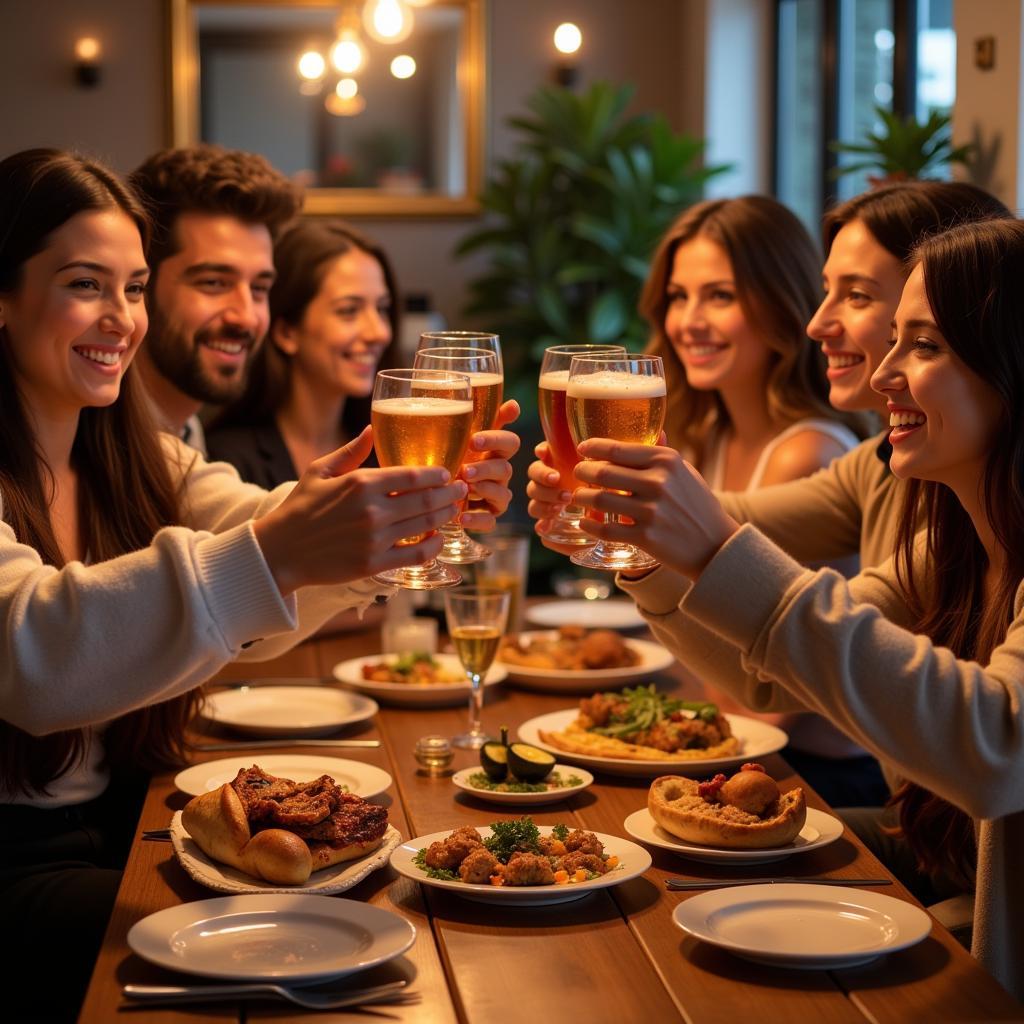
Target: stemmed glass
(462, 339)
(622, 398)
(421, 418)
(554, 378)
(476, 618)
(485, 378)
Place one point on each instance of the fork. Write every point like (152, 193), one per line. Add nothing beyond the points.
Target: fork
(307, 998)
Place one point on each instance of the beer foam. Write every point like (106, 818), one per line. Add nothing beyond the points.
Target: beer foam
(616, 384)
(483, 380)
(422, 405)
(554, 380)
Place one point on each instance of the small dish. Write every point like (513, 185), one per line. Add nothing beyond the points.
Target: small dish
(819, 830)
(804, 926)
(461, 780)
(287, 710)
(364, 780)
(422, 695)
(294, 938)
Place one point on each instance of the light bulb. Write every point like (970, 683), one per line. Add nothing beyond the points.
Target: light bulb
(347, 88)
(568, 38)
(387, 21)
(312, 66)
(344, 108)
(87, 49)
(348, 54)
(403, 66)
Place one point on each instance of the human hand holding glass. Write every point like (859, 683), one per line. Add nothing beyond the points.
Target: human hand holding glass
(476, 618)
(622, 398)
(551, 401)
(483, 368)
(421, 417)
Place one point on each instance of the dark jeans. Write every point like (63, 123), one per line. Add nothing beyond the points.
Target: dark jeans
(59, 874)
(841, 782)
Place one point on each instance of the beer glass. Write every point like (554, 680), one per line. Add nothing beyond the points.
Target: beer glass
(421, 418)
(487, 383)
(622, 398)
(554, 377)
(462, 339)
(476, 620)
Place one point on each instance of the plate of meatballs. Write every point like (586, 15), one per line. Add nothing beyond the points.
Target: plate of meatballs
(517, 862)
(575, 660)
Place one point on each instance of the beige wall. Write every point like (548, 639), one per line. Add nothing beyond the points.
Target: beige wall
(124, 118)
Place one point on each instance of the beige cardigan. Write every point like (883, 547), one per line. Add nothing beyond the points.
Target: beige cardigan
(813, 640)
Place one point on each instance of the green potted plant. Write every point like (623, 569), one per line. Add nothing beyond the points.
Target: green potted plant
(573, 218)
(904, 148)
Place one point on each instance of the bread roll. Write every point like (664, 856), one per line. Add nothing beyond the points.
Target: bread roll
(676, 805)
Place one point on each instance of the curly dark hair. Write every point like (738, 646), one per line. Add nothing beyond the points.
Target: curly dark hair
(210, 179)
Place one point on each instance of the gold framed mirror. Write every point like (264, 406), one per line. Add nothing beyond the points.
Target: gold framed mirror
(404, 147)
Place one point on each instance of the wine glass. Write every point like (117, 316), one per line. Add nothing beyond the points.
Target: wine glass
(485, 378)
(476, 618)
(554, 378)
(421, 418)
(623, 398)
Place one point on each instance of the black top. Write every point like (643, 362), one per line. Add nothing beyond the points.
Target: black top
(258, 452)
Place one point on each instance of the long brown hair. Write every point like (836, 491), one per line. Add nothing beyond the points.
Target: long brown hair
(777, 270)
(972, 277)
(302, 256)
(125, 490)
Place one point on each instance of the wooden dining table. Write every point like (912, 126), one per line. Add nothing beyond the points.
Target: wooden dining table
(612, 956)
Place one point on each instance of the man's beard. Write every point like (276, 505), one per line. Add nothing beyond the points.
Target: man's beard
(179, 359)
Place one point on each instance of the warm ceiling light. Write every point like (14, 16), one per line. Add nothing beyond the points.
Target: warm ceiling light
(87, 49)
(312, 66)
(387, 21)
(346, 88)
(348, 54)
(403, 66)
(344, 108)
(568, 38)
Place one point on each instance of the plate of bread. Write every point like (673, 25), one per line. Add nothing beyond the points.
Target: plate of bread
(744, 819)
(574, 659)
(264, 834)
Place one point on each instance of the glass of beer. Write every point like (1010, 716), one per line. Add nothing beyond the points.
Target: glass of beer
(462, 339)
(421, 418)
(487, 383)
(554, 378)
(476, 618)
(622, 398)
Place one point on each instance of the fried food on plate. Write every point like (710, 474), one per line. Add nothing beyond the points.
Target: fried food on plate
(572, 649)
(282, 831)
(746, 811)
(641, 724)
(413, 669)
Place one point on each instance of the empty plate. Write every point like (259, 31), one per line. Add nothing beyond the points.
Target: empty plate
(271, 938)
(287, 710)
(804, 926)
(610, 614)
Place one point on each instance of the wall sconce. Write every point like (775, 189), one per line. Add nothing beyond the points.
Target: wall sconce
(87, 61)
(568, 39)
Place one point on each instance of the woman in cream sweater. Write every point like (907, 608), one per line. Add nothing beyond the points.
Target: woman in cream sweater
(920, 660)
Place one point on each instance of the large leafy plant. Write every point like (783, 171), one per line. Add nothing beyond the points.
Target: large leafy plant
(573, 219)
(904, 148)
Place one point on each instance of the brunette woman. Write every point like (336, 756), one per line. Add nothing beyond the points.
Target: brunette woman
(918, 660)
(111, 613)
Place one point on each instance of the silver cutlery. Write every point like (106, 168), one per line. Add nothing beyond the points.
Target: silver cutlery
(157, 834)
(309, 998)
(682, 884)
(269, 744)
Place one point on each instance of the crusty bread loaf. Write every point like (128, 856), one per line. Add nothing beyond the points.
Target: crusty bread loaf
(218, 824)
(676, 805)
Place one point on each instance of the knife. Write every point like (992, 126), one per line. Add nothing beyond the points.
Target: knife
(682, 884)
(267, 744)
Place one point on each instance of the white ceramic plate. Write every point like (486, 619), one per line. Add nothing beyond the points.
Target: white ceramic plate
(634, 860)
(800, 925)
(819, 830)
(607, 614)
(271, 938)
(287, 710)
(425, 695)
(461, 779)
(224, 878)
(364, 780)
(756, 738)
(653, 658)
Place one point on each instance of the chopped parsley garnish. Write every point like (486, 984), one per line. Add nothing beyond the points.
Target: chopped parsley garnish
(509, 836)
(560, 832)
(479, 780)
